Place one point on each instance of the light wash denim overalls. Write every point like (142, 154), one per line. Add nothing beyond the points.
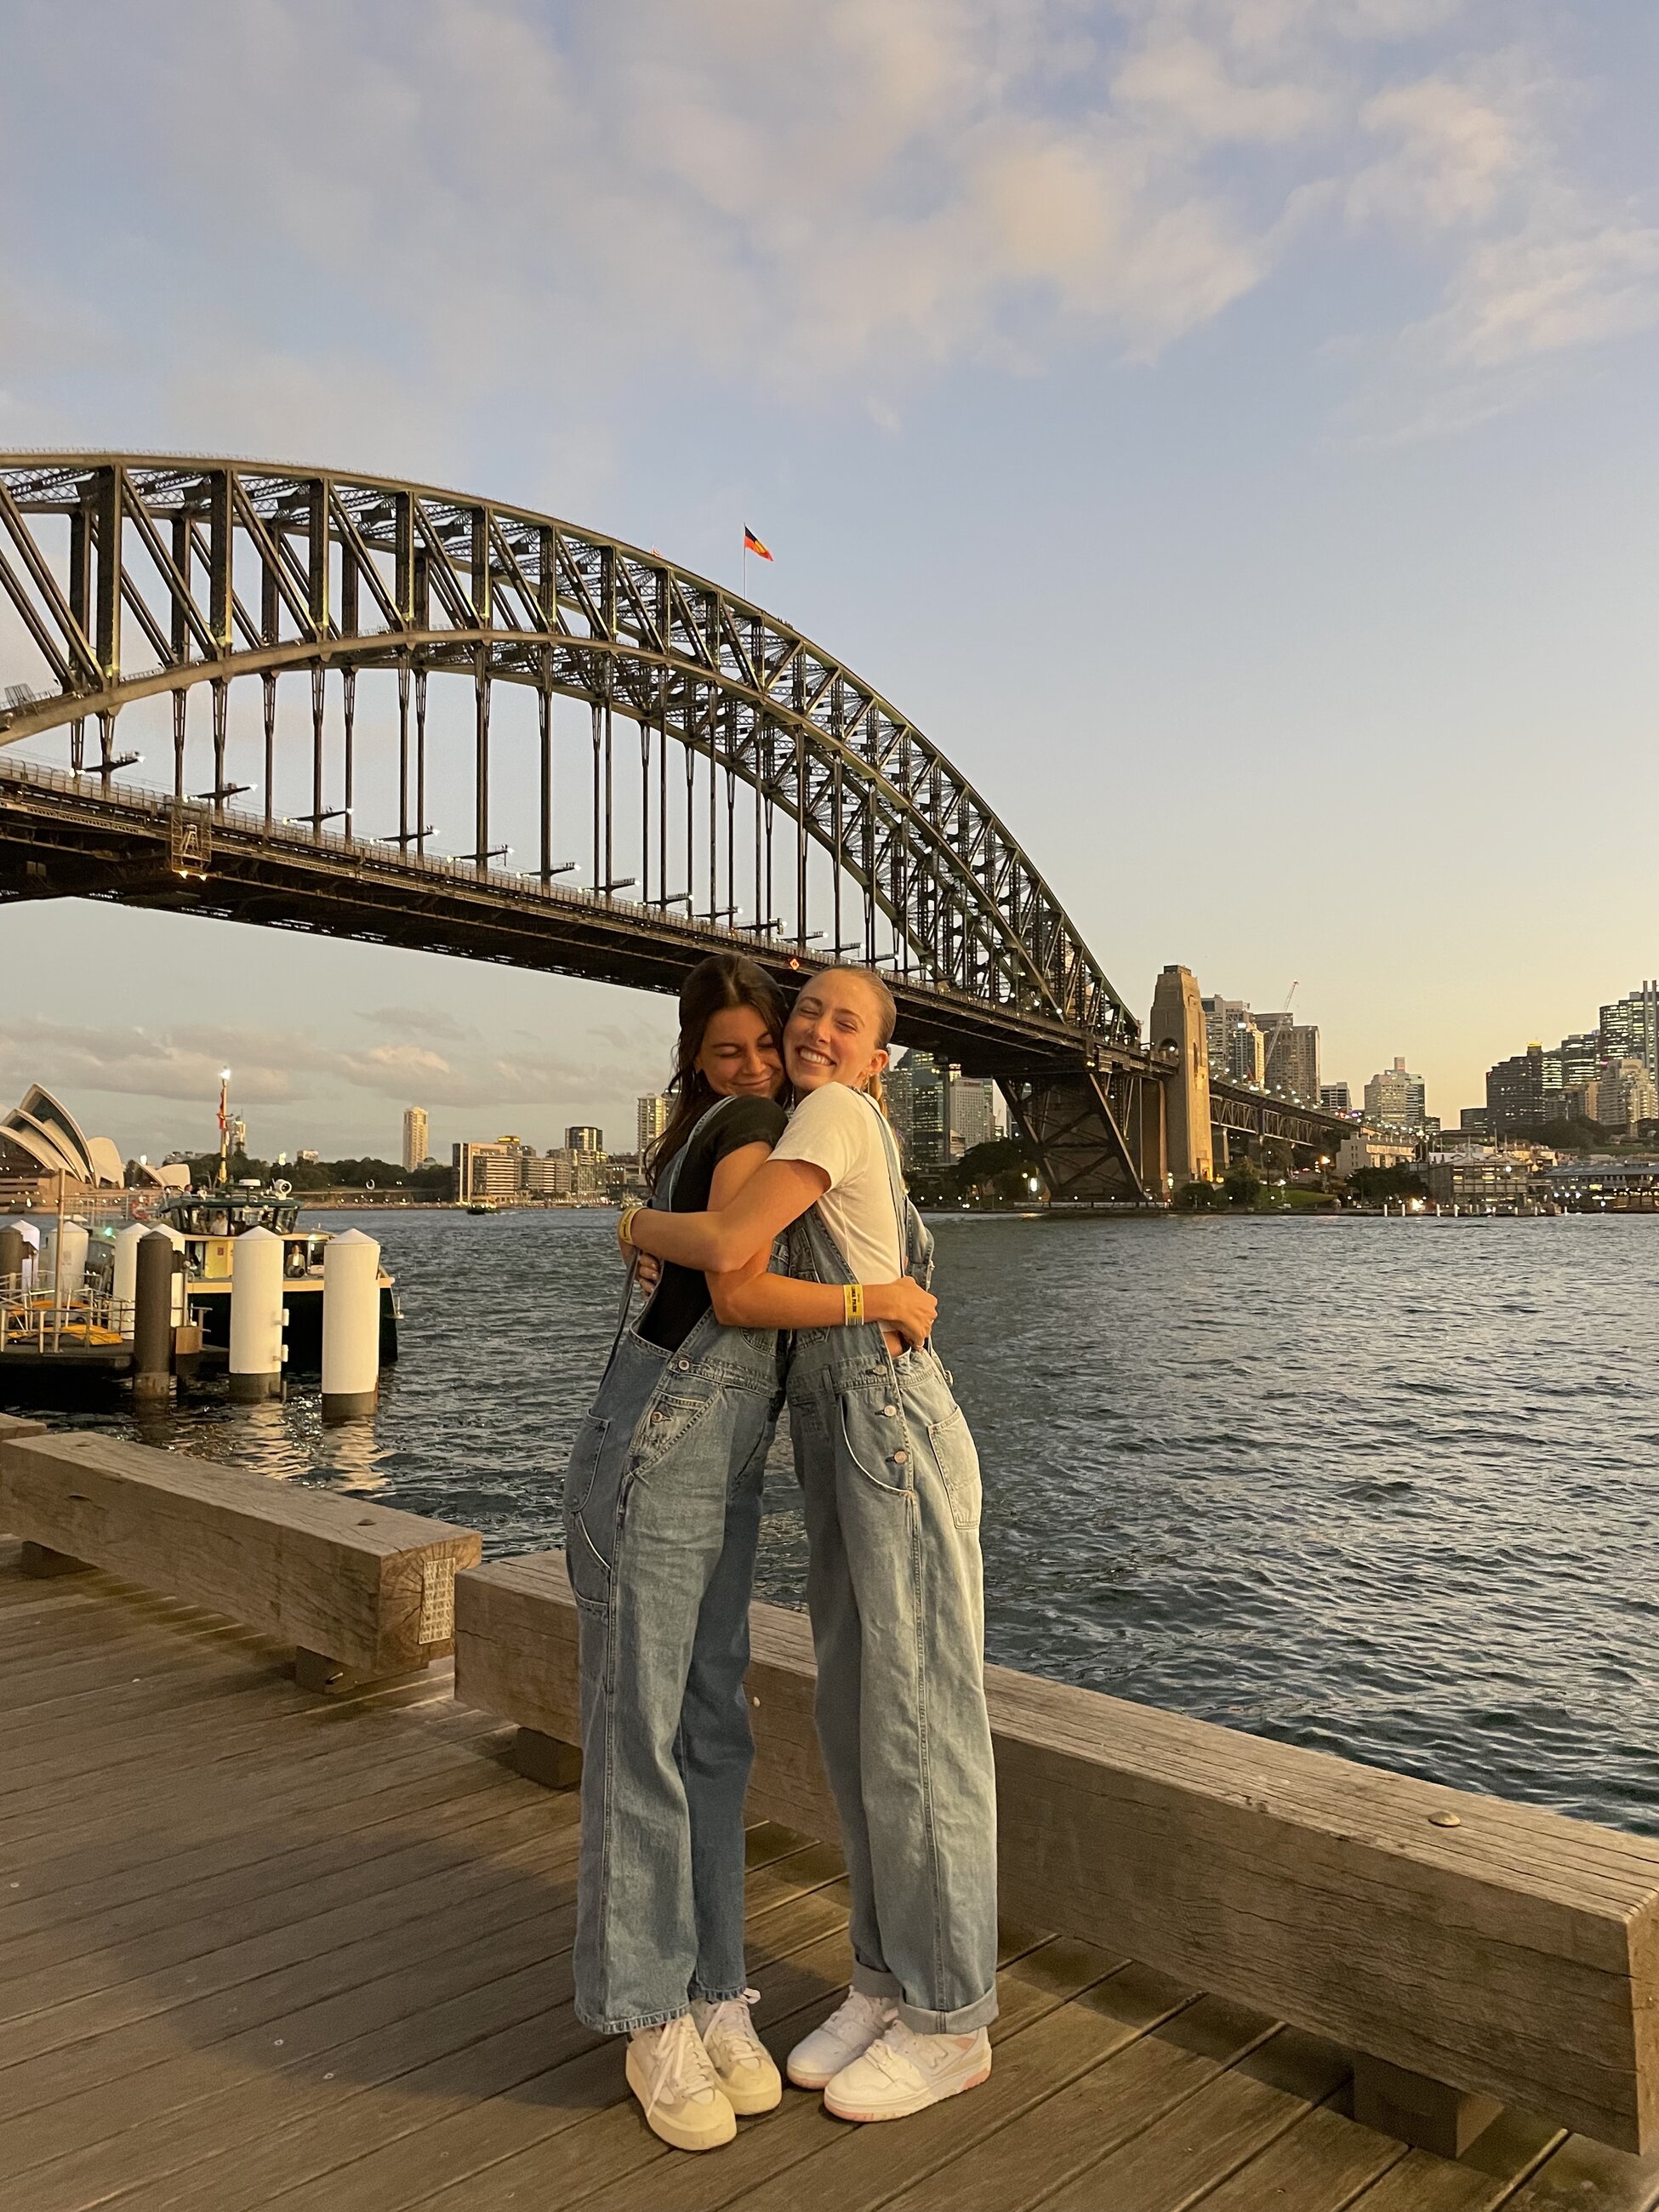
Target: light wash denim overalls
(891, 1483)
(662, 1511)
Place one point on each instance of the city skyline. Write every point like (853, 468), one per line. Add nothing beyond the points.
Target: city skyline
(1303, 357)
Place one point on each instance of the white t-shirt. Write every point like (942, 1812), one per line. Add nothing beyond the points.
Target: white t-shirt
(838, 1130)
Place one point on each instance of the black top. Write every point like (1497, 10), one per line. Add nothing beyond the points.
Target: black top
(682, 1295)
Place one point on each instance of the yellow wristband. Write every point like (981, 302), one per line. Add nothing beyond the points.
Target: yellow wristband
(625, 1228)
(852, 1302)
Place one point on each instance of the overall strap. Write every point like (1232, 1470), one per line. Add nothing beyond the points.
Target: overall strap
(915, 1241)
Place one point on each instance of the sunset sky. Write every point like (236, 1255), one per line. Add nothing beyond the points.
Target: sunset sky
(1226, 426)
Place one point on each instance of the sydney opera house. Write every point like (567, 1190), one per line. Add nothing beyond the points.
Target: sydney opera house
(41, 1140)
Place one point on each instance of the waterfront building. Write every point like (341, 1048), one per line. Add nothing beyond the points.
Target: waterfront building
(653, 1119)
(1367, 1147)
(585, 1139)
(494, 1170)
(415, 1138)
(1336, 1097)
(1395, 1099)
(551, 1175)
(1477, 1182)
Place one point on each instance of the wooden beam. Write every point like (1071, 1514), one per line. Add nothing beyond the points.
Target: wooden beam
(1512, 1954)
(367, 1588)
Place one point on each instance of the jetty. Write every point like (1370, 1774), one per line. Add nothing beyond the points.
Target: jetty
(287, 1845)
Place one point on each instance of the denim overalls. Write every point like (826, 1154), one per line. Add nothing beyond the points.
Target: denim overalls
(662, 1508)
(891, 1483)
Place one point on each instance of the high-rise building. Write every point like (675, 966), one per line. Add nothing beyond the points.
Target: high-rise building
(1623, 1094)
(1515, 1092)
(1629, 1029)
(1394, 1099)
(1290, 1057)
(1336, 1097)
(1235, 1041)
(585, 1140)
(972, 1112)
(653, 1113)
(918, 1106)
(415, 1138)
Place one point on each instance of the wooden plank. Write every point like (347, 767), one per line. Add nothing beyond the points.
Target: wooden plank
(310, 1838)
(1485, 2178)
(119, 1835)
(69, 2091)
(1587, 2177)
(316, 1569)
(1180, 2158)
(1514, 1955)
(1320, 2165)
(381, 2114)
(103, 1943)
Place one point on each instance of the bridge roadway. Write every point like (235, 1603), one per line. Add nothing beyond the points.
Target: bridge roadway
(263, 1948)
(66, 835)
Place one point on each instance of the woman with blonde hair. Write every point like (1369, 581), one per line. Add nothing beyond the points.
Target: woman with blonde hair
(891, 1489)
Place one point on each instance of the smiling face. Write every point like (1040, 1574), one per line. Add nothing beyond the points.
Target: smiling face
(739, 1056)
(835, 1033)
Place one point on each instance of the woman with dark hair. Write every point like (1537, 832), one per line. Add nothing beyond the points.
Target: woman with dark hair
(662, 1518)
(891, 1483)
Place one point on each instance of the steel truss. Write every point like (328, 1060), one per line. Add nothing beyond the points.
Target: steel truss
(867, 842)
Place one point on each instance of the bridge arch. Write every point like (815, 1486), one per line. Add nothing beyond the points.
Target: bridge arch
(232, 570)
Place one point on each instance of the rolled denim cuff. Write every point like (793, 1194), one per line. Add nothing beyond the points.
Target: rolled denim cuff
(963, 2021)
(877, 1982)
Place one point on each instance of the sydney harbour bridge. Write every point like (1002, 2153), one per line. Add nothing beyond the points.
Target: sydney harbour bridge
(626, 767)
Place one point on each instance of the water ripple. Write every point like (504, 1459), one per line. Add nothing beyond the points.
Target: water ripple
(1382, 1488)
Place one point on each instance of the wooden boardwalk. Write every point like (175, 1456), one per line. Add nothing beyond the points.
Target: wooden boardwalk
(260, 1948)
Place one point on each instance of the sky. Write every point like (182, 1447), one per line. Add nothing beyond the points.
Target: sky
(1225, 427)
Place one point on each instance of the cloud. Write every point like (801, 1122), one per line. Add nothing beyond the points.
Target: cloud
(422, 217)
(181, 1065)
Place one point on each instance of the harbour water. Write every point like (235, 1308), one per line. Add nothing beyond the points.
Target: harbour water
(1383, 1488)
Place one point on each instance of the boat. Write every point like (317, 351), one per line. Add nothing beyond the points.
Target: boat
(481, 1206)
(210, 1221)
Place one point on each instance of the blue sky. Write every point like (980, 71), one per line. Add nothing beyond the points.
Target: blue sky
(1226, 428)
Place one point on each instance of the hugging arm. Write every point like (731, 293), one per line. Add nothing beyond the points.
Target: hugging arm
(721, 1241)
(746, 1297)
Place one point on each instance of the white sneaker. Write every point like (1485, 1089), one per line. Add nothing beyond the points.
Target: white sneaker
(854, 2024)
(742, 2062)
(669, 2072)
(905, 2073)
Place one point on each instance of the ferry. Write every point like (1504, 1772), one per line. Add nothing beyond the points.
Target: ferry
(210, 1221)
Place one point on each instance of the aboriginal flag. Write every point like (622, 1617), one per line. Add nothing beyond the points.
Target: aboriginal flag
(752, 544)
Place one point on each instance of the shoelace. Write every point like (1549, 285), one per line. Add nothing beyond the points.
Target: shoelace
(853, 2012)
(730, 2026)
(683, 2069)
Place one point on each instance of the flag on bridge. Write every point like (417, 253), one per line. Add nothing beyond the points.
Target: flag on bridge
(752, 544)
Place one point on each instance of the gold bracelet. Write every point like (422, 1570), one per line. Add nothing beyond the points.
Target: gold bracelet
(853, 1304)
(625, 1228)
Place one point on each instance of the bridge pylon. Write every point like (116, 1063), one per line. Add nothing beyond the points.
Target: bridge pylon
(1179, 1033)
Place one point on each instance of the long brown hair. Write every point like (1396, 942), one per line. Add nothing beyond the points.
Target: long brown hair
(725, 979)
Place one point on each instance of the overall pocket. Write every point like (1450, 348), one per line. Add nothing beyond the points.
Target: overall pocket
(589, 1569)
(874, 1437)
(584, 1462)
(957, 1459)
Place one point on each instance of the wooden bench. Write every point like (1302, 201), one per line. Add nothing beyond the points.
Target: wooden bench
(363, 1594)
(1471, 1953)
